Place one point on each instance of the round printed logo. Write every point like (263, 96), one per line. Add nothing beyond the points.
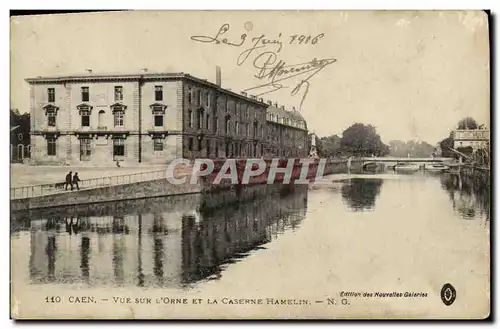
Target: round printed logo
(448, 294)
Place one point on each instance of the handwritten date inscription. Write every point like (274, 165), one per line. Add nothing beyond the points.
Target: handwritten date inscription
(272, 71)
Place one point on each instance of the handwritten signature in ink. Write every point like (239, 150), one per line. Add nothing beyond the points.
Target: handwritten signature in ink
(275, 72)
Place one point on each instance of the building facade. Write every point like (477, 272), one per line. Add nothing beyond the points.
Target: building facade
(152, 118)
(286, 133)
(477, 138)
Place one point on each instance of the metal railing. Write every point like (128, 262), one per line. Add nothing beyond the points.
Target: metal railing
(60, 187)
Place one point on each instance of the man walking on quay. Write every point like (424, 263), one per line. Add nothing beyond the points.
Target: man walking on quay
(76, 179)
(68, 181)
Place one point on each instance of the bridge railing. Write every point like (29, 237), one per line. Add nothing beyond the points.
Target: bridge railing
(394, 159)
(60, 187)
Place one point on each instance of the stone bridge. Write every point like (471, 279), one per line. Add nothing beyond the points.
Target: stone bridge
(391, 161)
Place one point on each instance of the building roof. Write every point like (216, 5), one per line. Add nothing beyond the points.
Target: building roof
(144, 76)
(281, 112)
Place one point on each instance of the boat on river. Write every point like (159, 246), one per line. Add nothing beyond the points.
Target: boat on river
(436, 167)
(406, 168)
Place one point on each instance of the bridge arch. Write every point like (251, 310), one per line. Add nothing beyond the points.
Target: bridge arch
(369, 163)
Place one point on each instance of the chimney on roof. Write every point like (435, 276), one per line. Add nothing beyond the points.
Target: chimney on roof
(276, 104)
(293, 108)
(261, 99)
(283, 107)
(89, 70)
(218, 76)
(270, 102)
(144, 70)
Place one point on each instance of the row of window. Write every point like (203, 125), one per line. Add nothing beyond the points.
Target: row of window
(118, 118)
(229, 149)
(286, 121)
(158, 115)
(85, 94)
(201, 98)
(245, 112)
(86, 147)
(204, 122)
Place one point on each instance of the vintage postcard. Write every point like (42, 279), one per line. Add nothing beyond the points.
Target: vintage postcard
(250, 165)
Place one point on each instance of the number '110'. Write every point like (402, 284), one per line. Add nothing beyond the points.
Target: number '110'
(52, 299)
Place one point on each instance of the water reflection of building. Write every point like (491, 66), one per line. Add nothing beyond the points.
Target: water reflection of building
(470, 196)
(360, 194)
(224, 235)
(160, 242)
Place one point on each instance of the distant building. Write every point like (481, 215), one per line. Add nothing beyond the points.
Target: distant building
(477, 138)
(154, 118)
(286, 132)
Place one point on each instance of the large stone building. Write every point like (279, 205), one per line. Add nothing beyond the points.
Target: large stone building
(153, 118)
(286, 132)
(476, 139)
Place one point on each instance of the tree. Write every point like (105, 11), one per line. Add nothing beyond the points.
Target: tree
(319, 147)
(467, 123)
(412, 148)
(330, 145)
(362, 140)
(446, 146)
(360, 194)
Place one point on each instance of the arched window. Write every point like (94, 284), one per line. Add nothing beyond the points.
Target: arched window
(100, 119)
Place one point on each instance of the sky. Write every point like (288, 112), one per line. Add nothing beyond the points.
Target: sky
(411, 74)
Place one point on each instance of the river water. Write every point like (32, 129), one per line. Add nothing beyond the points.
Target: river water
(382, 232)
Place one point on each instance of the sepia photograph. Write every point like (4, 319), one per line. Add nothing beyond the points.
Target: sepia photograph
(250, 164)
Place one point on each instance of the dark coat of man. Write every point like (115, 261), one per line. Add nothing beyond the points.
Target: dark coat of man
(68, 181)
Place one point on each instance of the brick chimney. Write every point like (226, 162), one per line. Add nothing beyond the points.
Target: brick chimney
(218, 76)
